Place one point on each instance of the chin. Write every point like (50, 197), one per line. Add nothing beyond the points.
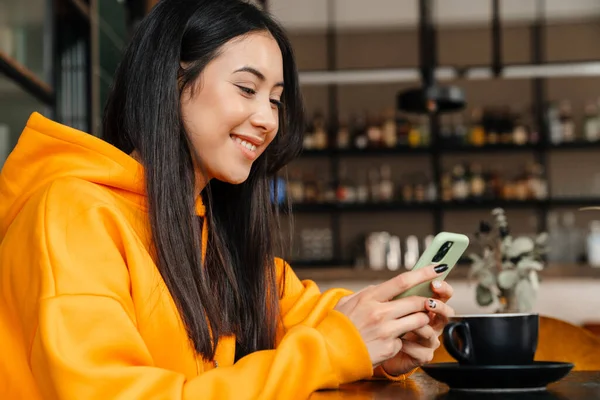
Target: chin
(235, 177)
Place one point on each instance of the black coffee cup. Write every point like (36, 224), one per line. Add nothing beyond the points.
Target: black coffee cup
(492, 339)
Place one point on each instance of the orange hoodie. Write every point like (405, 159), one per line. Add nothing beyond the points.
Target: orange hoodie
(84, 313)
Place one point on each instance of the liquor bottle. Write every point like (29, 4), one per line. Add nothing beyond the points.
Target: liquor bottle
(554, 125)
(537, 184)
(402, 129)
(374, 132)
(460, 131)
(491, 125)
(590, 123)
(520, 133)
(296, 186)
(460, 186)
(342, 189)
(386, 186)
(309, 136)
(310, 188)
(425, 130)
(319, 132)
(419, 193)
(566, 121)
(408, 192)
(477, 132)
(477, 183)
(343, 134)
(414, 136)
(506, 126)
(374, 183)
(389, 129)
(446, 131)
(360, 131)
(362, 188)
(431, 194)
(446, 187)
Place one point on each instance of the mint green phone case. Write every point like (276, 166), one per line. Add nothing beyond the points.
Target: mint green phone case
(459, 242)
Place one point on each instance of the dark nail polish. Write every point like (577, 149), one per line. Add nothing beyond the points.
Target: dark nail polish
(432, 303)
(440, 268)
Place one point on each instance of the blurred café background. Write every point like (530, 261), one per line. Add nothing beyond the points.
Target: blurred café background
(422, 116)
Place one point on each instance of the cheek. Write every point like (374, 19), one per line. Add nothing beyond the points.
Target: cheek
(230, 110)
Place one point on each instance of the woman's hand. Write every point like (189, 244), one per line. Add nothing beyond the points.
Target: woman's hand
(419, 345)
(382, 322)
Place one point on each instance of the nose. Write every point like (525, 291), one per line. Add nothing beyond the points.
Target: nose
(265, 117)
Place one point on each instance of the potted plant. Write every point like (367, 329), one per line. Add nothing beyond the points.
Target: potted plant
(506, 270)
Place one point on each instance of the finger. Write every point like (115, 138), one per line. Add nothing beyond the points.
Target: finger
(406, 280)
(349, 302)
(402, 307)
(441, 313)
(420, 354)
(425, 336)
(439, 308)
(442, 290)
(392, 349)
(398, 327)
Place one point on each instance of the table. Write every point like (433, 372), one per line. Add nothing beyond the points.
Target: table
(577, 385)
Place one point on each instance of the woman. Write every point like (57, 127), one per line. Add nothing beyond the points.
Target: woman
(143, 266)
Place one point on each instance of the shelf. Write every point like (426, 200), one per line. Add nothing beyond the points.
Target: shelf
(443, 205)
(26, 79)
(580, 145)
(449, 73)
(580, 202)
(497, 148)
(459, 273)
(383, 151)
(486, 149)
(369, 152)
(363, 207)
(491, 204)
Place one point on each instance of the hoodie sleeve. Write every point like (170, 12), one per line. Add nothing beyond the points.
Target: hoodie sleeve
(303, 304)
(87, 345)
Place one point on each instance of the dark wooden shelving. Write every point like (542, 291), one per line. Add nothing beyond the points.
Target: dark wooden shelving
(383, 151)
(443, 205)
(369, 152)
(575, 201)
(579, 145)
(490, 204)
(496, 148)
(26, 79)
(537, 69)
(444, 149)
(326, 273)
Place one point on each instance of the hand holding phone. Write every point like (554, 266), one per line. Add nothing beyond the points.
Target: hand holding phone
(446, 248)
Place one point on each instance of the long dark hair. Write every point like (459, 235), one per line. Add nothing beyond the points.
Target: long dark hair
(233, 290)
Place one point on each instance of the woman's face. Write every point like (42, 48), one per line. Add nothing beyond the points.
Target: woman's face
(232, 115)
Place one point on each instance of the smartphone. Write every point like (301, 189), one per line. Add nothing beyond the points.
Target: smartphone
(445, 248)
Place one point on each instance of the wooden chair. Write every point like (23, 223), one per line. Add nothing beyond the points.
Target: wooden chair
(557, 341)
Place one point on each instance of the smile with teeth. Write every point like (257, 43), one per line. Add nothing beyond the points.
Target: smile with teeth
(243, 143)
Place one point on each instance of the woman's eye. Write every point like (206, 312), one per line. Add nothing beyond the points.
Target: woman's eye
(277, 103)
(247, 90)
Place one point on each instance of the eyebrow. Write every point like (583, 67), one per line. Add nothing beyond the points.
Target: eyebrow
(256, 73)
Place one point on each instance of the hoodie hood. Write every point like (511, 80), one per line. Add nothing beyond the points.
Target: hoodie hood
(47, 151)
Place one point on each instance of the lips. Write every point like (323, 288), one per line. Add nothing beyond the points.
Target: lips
(244, 143)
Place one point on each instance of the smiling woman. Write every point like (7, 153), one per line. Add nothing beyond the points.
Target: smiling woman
(233, 102)
(143, 265)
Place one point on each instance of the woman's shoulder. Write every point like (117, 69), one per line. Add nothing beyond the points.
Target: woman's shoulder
(67, 204)
(69, 192)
